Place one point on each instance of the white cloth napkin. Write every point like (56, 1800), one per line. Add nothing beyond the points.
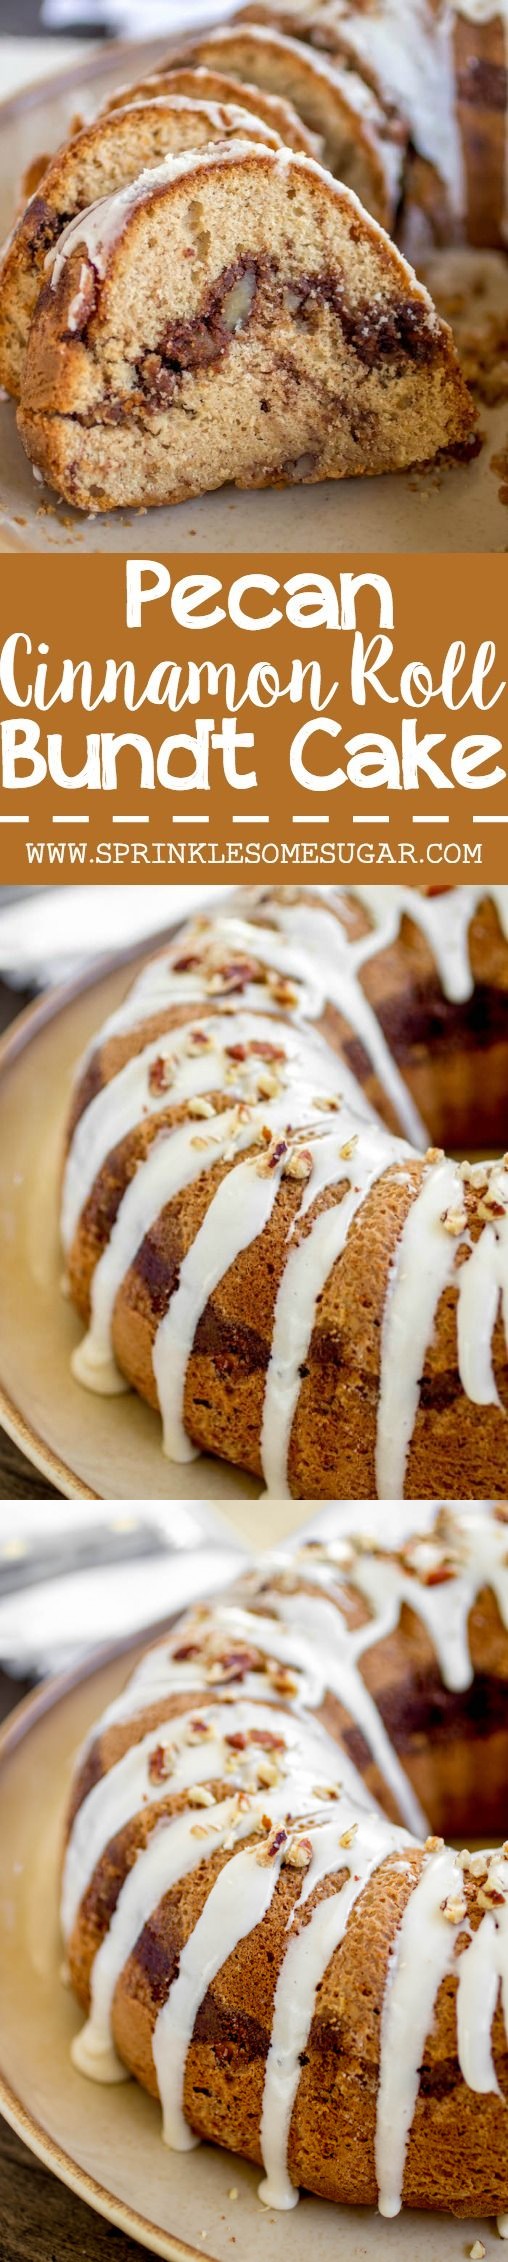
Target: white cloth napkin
(55, 1608)
(23, 60)
(50, 934)
(156, 19)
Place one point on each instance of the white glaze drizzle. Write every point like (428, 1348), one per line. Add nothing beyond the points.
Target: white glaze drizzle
(191, 1068)
(238, 1213)
(101, 224)
(477, 1994)
(445, 921)
(130, 1784)
(304, 1277)
(483, 1282)
(173, 1851)
(423, 1265)
(434, 1938)
(161, 1673)
(235, 1906)
(299, 958)
(175, 1848)
(458, 1563)
(317, 945)
(307, 947)
(315, 1627)
(420, 72)
(177, 1158)
(311, 1642)
(427, 1256)
(310, 73)
(421, 1956)
(305, 1962)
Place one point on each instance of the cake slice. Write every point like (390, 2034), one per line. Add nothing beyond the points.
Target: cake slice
(360, 143)
(102, 157)
(362, 41)
(445, 63)
(215, 85)
(233, 316)
(326, 28)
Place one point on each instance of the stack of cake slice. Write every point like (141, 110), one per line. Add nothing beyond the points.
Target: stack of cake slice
(205, 285)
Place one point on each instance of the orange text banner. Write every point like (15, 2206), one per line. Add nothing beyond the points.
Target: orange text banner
(270, 718)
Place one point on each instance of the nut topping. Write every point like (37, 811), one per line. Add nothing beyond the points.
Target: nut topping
(454, 1908)
(161, 1074)
(299, 1164)
(201, 1108)
(238, 303)
(299, 1854)
(272, 1846)
(454, 1221)
(161, 1763)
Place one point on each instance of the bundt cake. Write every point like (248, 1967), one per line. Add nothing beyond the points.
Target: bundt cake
(233, 316)
(260, 1924)
(100, 159)
(444, 63)
(257, 1232)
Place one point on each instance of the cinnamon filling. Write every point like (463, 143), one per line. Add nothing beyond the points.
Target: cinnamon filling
(387, 332)
(386, 335)
(41, 227)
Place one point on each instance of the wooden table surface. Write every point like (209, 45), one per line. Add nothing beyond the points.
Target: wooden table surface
(40, 2221)
(18, 1480)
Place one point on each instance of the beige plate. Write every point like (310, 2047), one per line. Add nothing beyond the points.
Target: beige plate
(454, 510)
(106, 2144)
(106, 1448)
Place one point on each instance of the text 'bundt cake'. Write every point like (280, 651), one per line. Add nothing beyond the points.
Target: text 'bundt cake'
(262, 1229)
(260, 1923)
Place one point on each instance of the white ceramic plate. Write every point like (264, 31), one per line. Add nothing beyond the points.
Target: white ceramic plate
(90, 1447)
(458, 509)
